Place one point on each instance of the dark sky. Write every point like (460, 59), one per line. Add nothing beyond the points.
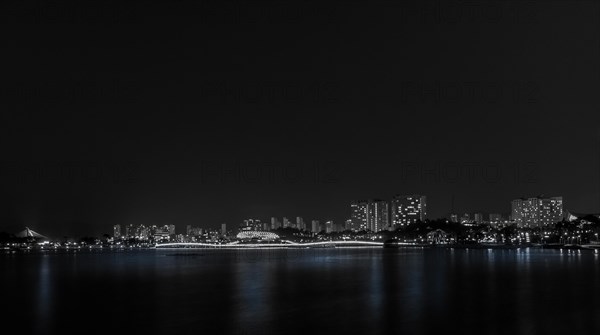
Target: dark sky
(203, 112)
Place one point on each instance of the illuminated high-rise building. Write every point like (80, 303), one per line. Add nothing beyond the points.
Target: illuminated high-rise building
(359, 212)
(300, 223)
(275, 224)
(117, 231)
(315, 226)
(329, 227)
(408, 209)
(251, 224)
(370, 215)
(537, 212)
(377, 215)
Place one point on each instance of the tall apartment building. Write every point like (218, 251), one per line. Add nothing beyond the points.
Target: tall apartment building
(536, 212)
(378, 217)
(300, 223)
(251, 224)
(358, 215)
(275, 224)
(370, 215)
(315, 226)
(408, 209)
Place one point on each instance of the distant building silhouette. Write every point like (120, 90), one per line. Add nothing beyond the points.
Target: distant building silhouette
(117, 231)
(300, 223)
(315, 226)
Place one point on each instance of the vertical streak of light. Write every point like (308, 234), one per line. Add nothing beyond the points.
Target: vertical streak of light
(44, 297)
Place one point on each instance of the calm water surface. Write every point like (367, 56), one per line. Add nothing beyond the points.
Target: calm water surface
(327, 291)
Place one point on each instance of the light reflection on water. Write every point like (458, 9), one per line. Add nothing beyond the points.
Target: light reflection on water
(376, 291)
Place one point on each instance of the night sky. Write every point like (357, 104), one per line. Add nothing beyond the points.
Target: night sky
(210, 112)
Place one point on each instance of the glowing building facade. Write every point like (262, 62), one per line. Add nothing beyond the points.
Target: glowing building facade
(408, 209)
(378, 215)
(358, 215)
(537, 212)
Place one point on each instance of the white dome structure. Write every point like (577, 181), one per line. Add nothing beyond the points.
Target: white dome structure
(257, 235)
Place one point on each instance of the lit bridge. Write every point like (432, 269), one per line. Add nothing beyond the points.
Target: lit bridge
(282, 244)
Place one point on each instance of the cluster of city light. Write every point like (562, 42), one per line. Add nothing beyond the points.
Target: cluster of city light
(259, 235)
(282, 244)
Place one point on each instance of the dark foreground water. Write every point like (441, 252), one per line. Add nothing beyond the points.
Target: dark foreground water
(327, 291)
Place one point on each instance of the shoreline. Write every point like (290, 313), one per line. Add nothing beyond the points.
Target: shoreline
(303, 246)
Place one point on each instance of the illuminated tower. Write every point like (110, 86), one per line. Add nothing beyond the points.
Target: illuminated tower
(358, 215)
(408, 209)
(377, 215)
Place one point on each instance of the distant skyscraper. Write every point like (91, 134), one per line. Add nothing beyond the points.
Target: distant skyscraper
(329, 227)
(377, 215)
(286, 223)
(275, 224)
(171, 229)
(300, 223)
(223, 229)
(478, 218)
(251, 224)
(316, 226)
(129, 231)
(358, 215)
(117, 231)
(408, 209)
(348, 225)
(454, 218)
(370, 215)
(537, 212)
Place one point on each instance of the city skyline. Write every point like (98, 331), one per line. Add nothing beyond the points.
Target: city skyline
(300, 112)
(530, 212)
(377, 215)
(308, 167)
